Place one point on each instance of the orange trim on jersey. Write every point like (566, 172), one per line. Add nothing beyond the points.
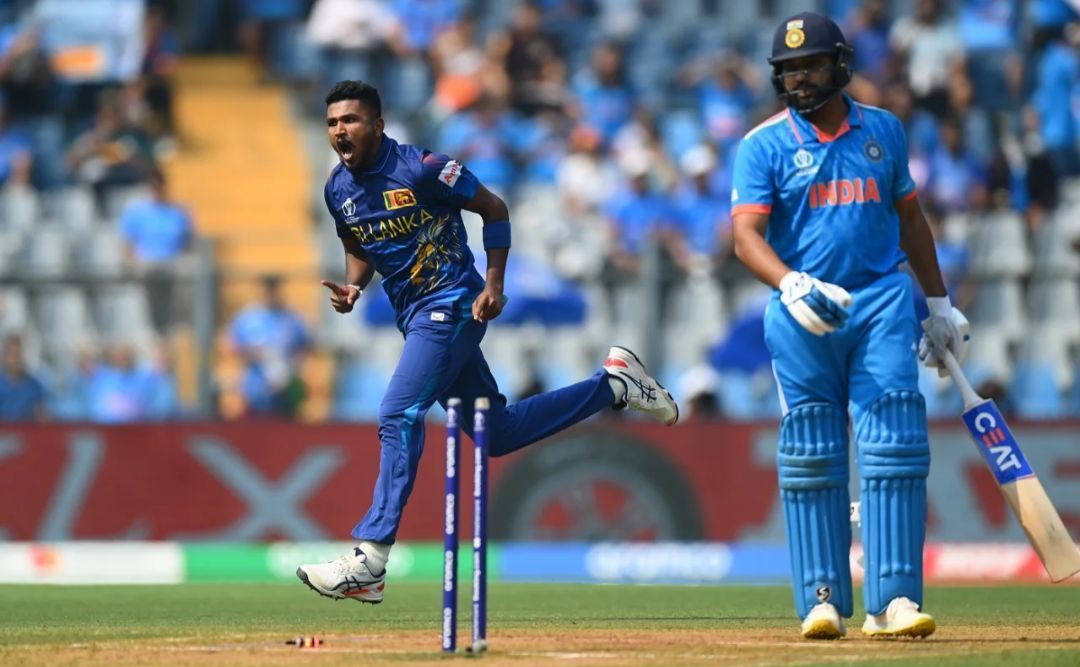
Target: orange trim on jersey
(826, 138)
(766, 122)
(751, 208)
(791, 121)
(911, 195)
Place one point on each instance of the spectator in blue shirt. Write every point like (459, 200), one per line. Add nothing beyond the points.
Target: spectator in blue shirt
(703, 236)
(157, 233)
(483, 139)
(158, 230)
(637, 214)
(869, 36)
(22, 396)
(726, 98)
(1057, 77)
(988, 29)
(266, 30)
(118, 391)
(271, 339)
(957, 180)
(603, 96)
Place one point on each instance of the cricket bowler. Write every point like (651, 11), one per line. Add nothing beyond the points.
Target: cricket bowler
(825, 212)
(397, 210)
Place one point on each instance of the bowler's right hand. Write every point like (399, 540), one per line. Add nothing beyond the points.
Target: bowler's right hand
(818, 306)
(342, 297)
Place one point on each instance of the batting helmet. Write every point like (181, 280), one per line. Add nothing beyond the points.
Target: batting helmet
(810, 34)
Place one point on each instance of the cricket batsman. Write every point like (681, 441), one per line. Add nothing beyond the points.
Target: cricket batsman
(397, 210)
(825, 211)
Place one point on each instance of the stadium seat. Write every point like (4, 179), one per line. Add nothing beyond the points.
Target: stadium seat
(942, 398)
(123, 313)
(1056, 302)
(63, 319)
(988, 357)
(1034, 391)
(20, 208)
(1054, 254)
(74, 208)
(101, 255)
(14, 310)
(358, 390)
(339, 331)
(999, 306)
(45, 253)
(999, 246)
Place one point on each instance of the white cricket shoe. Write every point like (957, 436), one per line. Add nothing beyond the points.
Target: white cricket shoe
(823, 622)
(642, 391)
(345, 577)
(901, 618)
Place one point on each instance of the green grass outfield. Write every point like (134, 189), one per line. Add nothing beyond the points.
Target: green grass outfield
(246, 624)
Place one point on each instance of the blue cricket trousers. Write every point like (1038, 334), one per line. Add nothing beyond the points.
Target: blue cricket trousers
(442, 359)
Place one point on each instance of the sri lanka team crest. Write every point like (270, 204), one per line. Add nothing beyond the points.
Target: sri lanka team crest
(399, 198)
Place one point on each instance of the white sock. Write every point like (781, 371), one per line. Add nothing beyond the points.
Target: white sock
(377, 555)
(618, 387)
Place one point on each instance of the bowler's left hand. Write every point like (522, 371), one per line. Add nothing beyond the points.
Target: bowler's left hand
(488, 304)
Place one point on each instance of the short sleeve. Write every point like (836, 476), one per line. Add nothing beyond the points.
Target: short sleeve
(444, 180)
(752, 181)
(903, 185)
(342, 230)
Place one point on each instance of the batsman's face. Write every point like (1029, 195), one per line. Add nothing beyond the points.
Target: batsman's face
(805, 78)
(354, 132)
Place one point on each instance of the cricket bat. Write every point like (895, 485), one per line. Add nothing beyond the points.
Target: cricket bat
(1018, 482)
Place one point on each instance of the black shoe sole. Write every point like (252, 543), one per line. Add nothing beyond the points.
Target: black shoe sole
(304, 578)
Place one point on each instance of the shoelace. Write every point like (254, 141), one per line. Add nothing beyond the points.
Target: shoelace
(648, 392)
(344, 563)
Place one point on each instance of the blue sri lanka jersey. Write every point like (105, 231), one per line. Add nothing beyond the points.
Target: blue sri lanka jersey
(406, 213)
(830, 199)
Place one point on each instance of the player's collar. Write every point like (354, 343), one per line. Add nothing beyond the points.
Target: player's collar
(805, 131)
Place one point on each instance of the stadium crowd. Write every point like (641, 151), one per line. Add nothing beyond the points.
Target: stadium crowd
(610, 126)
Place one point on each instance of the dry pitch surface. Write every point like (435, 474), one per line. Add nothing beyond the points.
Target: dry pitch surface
(238, 624)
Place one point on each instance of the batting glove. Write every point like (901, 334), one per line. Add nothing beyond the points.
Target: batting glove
(819, 307)
(946, 328)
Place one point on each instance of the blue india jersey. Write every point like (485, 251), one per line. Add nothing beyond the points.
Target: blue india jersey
(830, 199)
(406, 213)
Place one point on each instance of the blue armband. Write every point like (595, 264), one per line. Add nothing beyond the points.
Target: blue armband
(496, 235)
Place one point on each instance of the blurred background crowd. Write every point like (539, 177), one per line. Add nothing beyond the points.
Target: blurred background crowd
(162, 230)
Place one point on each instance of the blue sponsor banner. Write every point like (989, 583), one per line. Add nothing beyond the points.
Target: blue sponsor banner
(645, 563)
(996, 443)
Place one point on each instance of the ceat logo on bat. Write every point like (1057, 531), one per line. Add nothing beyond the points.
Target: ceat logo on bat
(997, 444)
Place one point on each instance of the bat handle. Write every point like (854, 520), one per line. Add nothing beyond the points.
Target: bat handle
(967, 393)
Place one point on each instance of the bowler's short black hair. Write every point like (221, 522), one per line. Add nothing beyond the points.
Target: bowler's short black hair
(365, 93)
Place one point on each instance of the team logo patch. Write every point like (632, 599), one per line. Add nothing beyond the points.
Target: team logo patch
(450, 173)
(794, 37)
(398, 198)
(873, 151)
(803, 158)
(348, 208)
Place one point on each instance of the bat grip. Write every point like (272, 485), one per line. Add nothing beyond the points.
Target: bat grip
(967, 393)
